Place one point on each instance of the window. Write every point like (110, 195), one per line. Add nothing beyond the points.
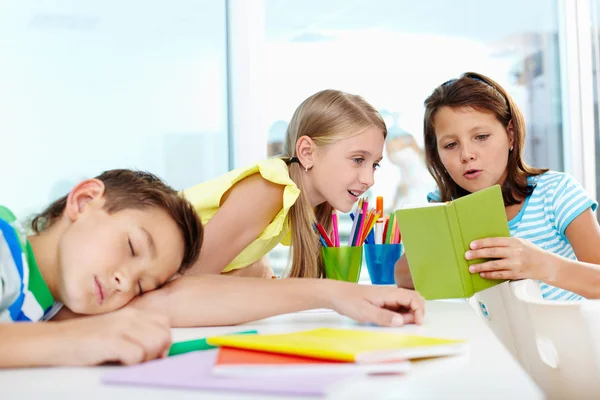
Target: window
(88, 86)
(394, 53)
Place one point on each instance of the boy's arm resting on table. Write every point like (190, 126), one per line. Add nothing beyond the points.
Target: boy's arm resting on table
(128, 336)
(253, 200)
(581, 276)
(402, 273)
(210, 300)
(30, 344)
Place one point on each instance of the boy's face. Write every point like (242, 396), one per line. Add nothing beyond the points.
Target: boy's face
(107, 260)
(344, 170)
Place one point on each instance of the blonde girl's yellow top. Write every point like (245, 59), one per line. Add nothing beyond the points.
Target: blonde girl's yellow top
(206, 198)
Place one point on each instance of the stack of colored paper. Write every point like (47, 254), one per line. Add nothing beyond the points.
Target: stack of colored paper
(345, 345)
(322, 358)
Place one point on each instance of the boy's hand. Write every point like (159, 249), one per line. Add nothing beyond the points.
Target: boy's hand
(127, 336)
(382, 305)
(512, 258)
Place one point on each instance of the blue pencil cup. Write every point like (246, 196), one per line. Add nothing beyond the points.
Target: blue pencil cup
(381, 259)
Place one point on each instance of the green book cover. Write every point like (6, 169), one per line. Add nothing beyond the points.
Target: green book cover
(437, 236)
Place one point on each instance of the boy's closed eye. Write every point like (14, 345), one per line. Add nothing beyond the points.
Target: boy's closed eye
(131, 249)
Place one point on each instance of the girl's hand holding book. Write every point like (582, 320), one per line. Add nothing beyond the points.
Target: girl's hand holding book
(512, 258)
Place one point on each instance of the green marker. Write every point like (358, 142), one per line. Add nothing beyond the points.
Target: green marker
(198, 344)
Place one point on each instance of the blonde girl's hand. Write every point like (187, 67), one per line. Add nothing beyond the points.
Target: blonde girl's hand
(382, 305)
(509, 258)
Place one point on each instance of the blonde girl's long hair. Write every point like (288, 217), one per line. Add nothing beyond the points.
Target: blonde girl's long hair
(326, 117)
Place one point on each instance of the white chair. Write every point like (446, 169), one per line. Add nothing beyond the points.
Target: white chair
(555, 342)
(590, 310)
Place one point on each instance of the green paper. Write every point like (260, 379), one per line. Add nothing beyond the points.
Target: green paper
(437, 237)
(198, 344)
(342, 263)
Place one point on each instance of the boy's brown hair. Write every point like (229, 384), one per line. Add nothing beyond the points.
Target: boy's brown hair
(483, 94)
(129, 189)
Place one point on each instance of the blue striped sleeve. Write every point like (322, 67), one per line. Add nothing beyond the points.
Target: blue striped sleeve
(569, 201)
(434, 197)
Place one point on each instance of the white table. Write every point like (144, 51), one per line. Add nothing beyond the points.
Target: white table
(487, 372)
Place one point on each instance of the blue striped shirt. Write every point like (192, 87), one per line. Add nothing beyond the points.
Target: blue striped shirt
(555, 202)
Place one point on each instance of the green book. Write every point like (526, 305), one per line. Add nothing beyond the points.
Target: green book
(436, 238)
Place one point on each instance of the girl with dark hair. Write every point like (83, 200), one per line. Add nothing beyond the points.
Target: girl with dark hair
(474, 135)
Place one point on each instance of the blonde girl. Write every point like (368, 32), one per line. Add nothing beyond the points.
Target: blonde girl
(334, 143)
